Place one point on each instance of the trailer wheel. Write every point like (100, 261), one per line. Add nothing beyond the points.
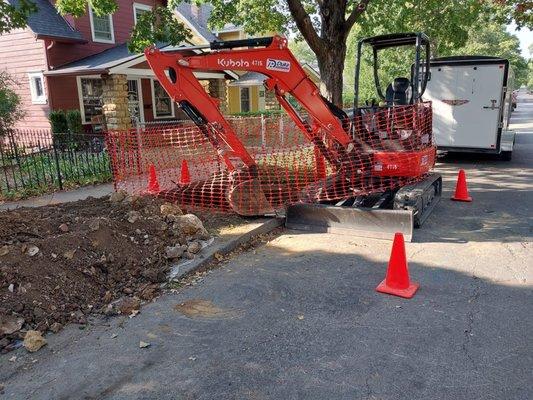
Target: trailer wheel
(506, 155)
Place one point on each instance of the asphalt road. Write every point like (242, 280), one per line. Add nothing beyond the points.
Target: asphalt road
(299, 317)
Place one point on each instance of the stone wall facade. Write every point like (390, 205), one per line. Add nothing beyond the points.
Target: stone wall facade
(115, 101)
(217, 88)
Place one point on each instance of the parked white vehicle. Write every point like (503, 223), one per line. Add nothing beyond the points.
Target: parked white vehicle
(472, 100)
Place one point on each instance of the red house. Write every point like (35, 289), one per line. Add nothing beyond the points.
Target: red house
(83, 63)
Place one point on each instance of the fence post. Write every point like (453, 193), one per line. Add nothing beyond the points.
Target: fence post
(139, 145)
(56, 158)
(263, 138)
(281, 130)
(17, 158)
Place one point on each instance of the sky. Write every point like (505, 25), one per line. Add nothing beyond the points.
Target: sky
(526, 38)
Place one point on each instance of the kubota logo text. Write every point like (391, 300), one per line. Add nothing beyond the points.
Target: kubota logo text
(230, 63)
(278, 65)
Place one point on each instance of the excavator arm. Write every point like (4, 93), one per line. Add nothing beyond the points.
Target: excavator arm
(268, 56)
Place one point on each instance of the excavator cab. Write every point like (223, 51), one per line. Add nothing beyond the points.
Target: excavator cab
(401, 91)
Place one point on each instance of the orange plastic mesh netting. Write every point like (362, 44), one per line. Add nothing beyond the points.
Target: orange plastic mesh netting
(392, 147)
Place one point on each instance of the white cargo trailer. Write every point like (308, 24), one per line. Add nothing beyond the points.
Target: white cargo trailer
(472, 103)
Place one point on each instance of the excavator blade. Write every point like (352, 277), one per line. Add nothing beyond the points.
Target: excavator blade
(248, 199)
(364, 222)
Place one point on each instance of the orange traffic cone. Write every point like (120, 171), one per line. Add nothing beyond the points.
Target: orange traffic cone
(397, 280)
(185, 175)
(461, 191)
(153, 183)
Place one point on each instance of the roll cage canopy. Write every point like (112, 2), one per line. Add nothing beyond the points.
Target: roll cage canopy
(419, 71)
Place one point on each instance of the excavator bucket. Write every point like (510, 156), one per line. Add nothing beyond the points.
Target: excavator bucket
(248, 199)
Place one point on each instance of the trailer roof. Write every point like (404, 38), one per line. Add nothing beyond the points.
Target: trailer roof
(468, 59)
(395, 39)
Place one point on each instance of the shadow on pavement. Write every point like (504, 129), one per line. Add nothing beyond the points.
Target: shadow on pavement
(306, 324)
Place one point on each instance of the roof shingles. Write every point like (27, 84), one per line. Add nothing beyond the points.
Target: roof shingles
(47, 22)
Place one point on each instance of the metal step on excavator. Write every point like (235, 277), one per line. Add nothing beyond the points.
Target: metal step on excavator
(371, 165)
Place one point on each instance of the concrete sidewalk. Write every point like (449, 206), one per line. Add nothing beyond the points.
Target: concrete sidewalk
(61, 197)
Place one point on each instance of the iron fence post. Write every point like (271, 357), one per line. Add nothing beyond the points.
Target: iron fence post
(56, 158)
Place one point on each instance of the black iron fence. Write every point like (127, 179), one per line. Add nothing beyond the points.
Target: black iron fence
(36, 161)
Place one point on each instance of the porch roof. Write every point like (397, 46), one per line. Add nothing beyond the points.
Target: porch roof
(118, 60)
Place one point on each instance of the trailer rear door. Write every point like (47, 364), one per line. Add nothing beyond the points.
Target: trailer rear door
(466, 104)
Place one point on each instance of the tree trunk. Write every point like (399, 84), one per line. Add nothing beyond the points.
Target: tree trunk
(331, 66)
(330, 45)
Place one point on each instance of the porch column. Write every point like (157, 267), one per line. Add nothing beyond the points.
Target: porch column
(217, 88)
(115, 101)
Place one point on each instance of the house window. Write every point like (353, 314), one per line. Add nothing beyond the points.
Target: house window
(245, 99)
(38, 95)
(135, 101)
(163, 104)
(140, 9)
(90, 93)
(102, 27)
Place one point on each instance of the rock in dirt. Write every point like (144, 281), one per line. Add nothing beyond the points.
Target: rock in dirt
(149, 292)
(190, 225)
(143, 345)
(10, 324)
(173, 252)
(69, 254)
(127, 305)
(32, 250)
(188, 256)
(170, 209)
(117, 197)
(64, 228)
(33, 341)
(194, 247)
(94, 224)
(4, 250)
(133, 216)
(56, 327)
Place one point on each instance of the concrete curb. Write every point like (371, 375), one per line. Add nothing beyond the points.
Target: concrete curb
(208, 255)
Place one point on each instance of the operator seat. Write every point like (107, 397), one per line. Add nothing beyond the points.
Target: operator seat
(398, 93)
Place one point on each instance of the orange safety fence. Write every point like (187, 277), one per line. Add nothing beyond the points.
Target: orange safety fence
(391, 147)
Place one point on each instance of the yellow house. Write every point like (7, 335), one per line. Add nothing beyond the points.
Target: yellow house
(246, 93)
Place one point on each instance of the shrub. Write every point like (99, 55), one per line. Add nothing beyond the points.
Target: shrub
(74, 121)
(58, 121)
(10, 104)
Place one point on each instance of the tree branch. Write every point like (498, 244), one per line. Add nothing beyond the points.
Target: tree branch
(305, 25)
(354, 16)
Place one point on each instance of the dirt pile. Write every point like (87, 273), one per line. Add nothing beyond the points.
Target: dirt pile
(58, 264)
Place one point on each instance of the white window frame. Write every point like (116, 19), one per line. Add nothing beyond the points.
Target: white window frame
(97, 40)
(80, 95)
(152, 80)
(140, 94)
(139, 6)
(35, 99)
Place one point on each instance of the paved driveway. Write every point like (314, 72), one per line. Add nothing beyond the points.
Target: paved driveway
(299, 318)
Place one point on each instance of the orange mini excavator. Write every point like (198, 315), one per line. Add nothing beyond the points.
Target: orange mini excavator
(379, 157)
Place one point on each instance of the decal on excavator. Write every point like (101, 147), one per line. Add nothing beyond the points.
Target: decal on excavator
(278, 65)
